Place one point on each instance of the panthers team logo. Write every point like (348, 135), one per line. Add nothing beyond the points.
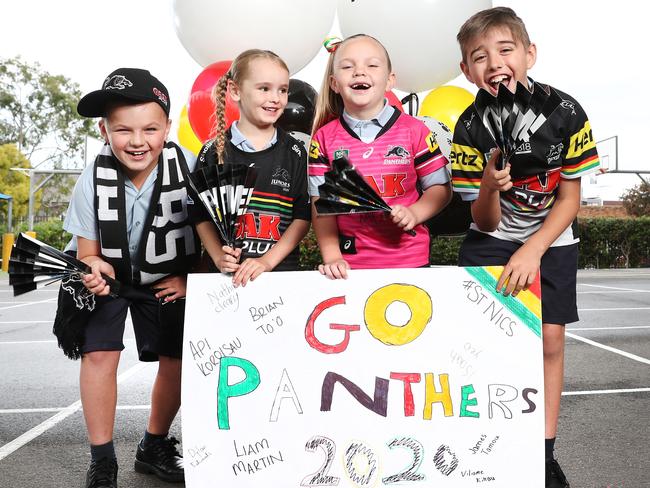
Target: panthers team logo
(282, 173)
(83, 299)
(396, 152)
(568, 105)
(396, 155)
(468, 122)
(117, 82)
(554, 152)
(281, 177)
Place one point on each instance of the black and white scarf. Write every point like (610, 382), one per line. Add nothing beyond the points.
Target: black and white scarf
(169, 244)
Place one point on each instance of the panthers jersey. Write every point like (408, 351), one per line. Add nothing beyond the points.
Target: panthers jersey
(279, 196)
(563, 147)
(403, 151)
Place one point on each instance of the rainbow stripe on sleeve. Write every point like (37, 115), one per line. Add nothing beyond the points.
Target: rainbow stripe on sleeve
(527, 305)
(466, 183)
(584, 165)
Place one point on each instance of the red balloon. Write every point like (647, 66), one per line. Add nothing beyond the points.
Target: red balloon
(394, 101)
(201, 108)
(210, 75)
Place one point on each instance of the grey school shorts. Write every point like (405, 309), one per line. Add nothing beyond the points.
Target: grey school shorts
(559, 268)
(158, 326)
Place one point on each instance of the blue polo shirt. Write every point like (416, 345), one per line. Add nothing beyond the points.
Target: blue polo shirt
(367, 130)
(239, 140)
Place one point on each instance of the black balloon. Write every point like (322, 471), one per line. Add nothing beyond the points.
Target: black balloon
(299, 113)
(453, 220)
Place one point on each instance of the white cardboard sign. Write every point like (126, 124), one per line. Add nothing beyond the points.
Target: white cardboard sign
(405, 377)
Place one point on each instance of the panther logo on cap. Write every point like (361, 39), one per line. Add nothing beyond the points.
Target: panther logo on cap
(117, 82)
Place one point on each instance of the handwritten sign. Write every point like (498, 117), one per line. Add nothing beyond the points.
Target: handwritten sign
(416, 377)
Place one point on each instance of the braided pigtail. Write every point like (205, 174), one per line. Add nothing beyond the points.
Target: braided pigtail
(219, 96)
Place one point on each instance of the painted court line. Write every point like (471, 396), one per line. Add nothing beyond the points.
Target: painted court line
(34, 291)
(619, 274)
(131, 339)
(13, 302)
(612, 328)
(610, 292)
(617, 288)
(611, 309)
(60, 409)
(609, 348)
(604, 392)
(27, 342)
(31, 410)
(24, 304)
(31, 434)
(26, 322)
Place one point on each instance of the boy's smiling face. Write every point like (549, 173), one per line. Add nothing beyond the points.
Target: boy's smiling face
(137, 135)
(495, 58)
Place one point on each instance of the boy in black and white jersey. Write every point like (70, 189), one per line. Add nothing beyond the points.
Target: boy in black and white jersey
(524, 214)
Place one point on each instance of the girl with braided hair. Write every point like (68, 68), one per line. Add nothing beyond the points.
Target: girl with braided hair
(278, 214)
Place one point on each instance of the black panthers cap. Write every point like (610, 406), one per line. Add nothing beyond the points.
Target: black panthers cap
(132, 84)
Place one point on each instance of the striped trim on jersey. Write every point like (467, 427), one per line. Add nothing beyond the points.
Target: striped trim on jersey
(271, 201)
(581, 167)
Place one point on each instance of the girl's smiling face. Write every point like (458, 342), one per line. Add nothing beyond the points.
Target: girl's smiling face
(361, 75)
(263, 94)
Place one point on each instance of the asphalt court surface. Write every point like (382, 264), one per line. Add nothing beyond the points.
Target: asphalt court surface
(604, 422)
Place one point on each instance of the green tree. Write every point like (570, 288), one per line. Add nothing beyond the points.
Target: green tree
(637, 200)
(13, 183)
(38, 113)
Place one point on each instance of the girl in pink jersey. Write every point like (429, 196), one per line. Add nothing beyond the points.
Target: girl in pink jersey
(395, 153)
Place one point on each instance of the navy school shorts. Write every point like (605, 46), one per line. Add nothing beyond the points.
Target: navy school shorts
(158, 327)
(559, 268)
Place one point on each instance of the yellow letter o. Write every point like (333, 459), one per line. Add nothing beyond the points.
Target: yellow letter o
(416, 299)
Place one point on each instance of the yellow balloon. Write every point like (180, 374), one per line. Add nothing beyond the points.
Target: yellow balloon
(446, 104)
(186, 136)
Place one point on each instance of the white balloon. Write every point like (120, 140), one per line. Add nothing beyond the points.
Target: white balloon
(302, 137)
(441, 134)
(218, 30)
(419, 35)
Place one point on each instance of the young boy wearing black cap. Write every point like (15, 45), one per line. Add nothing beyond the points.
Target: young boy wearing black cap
(128, 214)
